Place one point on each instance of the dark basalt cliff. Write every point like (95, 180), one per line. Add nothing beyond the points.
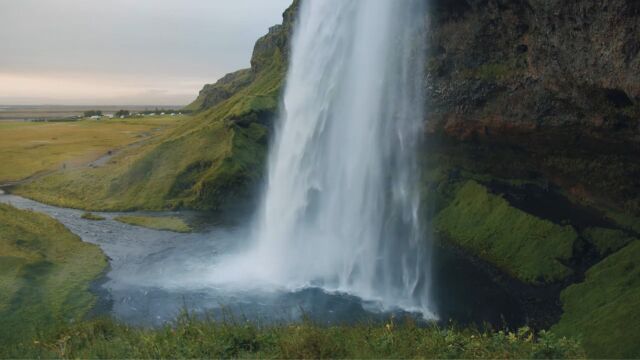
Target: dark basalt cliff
(558, 81)
(520, 66)
(533, 128)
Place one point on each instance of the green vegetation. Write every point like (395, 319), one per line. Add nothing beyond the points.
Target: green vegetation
(91, 216)
(529, 248)
(170, 223)
(493, 72)
(45, 272)
(607, 241)
(90, 113)
(213, 94)
(122, 112)
(29, 148)
(191, 338)
(604, 310)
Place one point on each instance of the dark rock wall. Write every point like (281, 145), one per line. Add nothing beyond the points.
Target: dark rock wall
(557, 80)
(518, 66)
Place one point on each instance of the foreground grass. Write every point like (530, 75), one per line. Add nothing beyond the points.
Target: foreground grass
(28, 148)
(169, 223)
(191, 338)
(45, 272)
(604, 310)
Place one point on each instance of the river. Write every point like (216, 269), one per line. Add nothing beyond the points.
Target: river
(154, 275)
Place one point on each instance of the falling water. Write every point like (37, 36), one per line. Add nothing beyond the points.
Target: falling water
(341, 210)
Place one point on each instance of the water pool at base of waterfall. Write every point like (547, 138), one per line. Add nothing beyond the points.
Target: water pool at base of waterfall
(155, 275)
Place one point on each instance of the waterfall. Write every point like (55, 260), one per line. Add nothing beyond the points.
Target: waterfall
(341, 208)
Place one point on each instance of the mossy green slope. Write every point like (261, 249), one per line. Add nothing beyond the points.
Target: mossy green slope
(45, 272)
(168, 223)
(604, 310)
(529, 248)
(607, 241)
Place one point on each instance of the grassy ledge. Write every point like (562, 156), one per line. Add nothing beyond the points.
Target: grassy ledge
(604, 310)
(607, 241)
(168, 223)
(527, 247)
(92, 217)
(45, 272)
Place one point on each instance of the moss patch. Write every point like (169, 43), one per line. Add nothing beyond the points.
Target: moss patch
(169, 223)
(605, 309)
(45, 272)
(529, 248)
(92, 217)
(607, 241)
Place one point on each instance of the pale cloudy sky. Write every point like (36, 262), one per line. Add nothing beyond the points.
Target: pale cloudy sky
(125, 51)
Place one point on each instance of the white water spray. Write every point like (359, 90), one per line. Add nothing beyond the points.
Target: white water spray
(342, 207)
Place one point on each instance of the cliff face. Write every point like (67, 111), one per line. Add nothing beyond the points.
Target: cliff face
(274, 44)
(533, 121)
(518, 66)
(557, 80)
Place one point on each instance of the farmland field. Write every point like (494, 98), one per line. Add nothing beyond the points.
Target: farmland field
(29, 148)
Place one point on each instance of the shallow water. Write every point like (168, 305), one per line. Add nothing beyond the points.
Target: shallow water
(154, 275)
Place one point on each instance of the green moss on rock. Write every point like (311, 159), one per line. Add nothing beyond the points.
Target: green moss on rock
(529, 248)
(168, 223)
(607, 241)
(92, 217)
(604, 310)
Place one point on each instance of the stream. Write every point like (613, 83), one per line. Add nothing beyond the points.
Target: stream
(154, 275)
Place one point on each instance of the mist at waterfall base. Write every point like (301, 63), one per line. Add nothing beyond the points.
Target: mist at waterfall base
(337, 236)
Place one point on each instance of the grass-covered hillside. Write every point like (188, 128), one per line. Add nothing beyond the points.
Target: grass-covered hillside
(45, 273)
(211, 161)
(604, 310)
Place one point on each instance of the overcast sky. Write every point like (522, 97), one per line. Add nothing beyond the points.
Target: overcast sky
(125, 51)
